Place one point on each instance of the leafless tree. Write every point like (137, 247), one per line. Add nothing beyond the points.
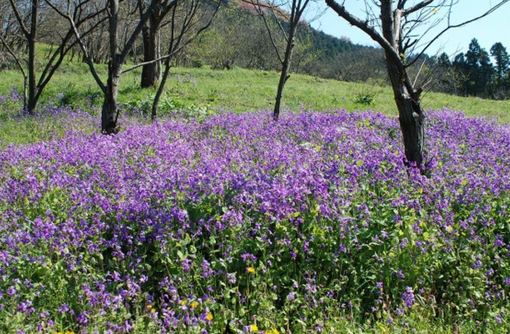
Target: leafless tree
(188, 20)
(151, 72)
(274, 13)
(118, 52)
(400, 27)
(24, 27)
(11, 40)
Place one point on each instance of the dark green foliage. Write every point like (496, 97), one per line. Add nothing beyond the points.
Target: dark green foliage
(473, 74)
(502, 69)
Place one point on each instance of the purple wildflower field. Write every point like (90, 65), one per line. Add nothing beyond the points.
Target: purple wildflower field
(240, 222)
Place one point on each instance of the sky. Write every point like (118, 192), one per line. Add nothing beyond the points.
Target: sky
(489, 30)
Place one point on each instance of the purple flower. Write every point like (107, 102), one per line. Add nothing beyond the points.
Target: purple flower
(206, 269)
(247, 257)
(11, 291)
(408, 297)
(237, 191)
(231, 277)
(63, 308)
(186, 264)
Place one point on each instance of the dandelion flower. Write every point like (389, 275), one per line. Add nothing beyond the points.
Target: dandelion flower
(209, 317)
(254, 328)
(251, 270)
(194, 305)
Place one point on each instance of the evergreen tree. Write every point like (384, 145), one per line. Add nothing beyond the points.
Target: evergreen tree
(461, 69)
(444, 61)
(502, 70)
(480, 70)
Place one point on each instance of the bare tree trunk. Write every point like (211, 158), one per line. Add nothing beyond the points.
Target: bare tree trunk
(161, 88)
(398, 43)
(410, 112)
(109, 113)
(178, 40)
(284, 76)
(412, 125)
(116, 57)
(151, 72)
(31, 38)
(297, 9)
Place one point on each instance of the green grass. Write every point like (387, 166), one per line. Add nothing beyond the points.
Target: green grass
(204, 89)
(242, 90)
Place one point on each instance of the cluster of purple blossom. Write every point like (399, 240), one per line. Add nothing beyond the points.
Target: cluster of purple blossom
(229, 221)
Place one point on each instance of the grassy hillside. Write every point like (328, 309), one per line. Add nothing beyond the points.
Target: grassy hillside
(243, 90)
(203, 91)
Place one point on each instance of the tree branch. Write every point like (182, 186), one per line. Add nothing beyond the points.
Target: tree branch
(83, 47)
(259, 10)
(19, 18)
(136, 32)
(175, 46)
(416, 7)
(16, 59)
(61, 52)
(453, 26)
(363, 25)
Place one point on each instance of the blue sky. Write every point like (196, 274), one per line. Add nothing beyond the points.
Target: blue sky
(489, 30)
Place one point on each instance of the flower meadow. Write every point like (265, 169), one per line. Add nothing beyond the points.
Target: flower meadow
(236, 224)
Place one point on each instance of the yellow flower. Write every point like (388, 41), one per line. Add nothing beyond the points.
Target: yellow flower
(194, 305)
(254, 328)
(209, 317)
(251, 270)
(274, 331)
(183, 302)
(59, 333)
(69, 332)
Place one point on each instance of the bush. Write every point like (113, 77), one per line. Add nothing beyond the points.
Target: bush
(365, 98)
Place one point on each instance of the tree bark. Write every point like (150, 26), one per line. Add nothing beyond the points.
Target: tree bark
(31, 38)
(410, 114)
(284, 76)
(160, 90)
(151, 72)
(109, 112)
(296, 11)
